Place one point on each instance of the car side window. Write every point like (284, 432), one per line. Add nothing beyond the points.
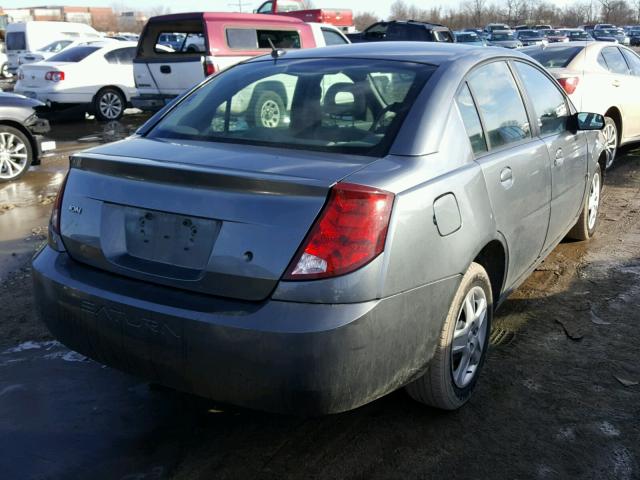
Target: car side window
(500, 104)
(471, 120)
(548, 102)
(121, 56)
(602, 62)
(332, 38)
(615, 61)
(633, 60)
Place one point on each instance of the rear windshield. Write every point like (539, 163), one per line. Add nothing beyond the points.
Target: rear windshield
(75, 54)
(530, 34)
(467, 37)
(16, 41)
(255, 39)
(502, 37)
(553, 57)
(335, 105)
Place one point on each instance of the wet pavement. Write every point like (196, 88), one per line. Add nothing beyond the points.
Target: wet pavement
(558, 397)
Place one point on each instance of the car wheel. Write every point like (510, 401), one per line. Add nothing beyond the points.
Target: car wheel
(453, 371)
(588, 220)
(16, 153)
(4, 71)
(268, 110)
(610, 132)
(109, 104)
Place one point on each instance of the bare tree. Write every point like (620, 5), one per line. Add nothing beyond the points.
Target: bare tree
(362, 20)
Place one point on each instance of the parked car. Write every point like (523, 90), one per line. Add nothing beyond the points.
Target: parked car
(490, 28)
(577, 35)
(530, 37)
(602, 78)
(469, 38)
(54, 48)
(342, 18)
(602, 35)
(96, 78)
(622, 36)
(542, 27)
(161, 74)
(634, 37)
(555, 36)
(604, 26)
(28, 37)
(504, 38)
(21, 140)
(314, 267)
(401, 31)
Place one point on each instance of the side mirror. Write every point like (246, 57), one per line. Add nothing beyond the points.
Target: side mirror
(586, 121)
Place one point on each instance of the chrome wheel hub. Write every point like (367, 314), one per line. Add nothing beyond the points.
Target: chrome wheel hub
(610, 142)
(110, 105)
(469, 337)
(594, 201)
(270, 114)
(13, 155)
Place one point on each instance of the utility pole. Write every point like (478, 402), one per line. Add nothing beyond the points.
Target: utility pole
(238, 4)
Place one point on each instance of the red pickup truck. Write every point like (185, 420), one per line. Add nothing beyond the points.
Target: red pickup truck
(297, 8)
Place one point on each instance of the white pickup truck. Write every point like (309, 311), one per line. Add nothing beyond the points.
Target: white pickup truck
(175, 52)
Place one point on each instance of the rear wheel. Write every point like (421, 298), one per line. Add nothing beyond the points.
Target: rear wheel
(268, 110)
(585, 228)
(109, 104)
(610, 132)
(453, 371)
(16, 153)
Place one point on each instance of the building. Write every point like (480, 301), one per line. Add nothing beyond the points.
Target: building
(101, 18)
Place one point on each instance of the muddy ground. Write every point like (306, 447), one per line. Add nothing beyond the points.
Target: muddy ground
(558, 398)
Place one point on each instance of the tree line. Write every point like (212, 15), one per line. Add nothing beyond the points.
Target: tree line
(478, 13)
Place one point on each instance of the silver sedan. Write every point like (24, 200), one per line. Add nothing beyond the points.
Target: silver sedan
(357, 242)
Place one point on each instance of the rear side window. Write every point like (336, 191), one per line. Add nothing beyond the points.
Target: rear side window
(74, 54)
(16, 41)
(332, 38)
(553, 57)
(550, 106)
(471, 120)
(256, 39)
(615, 61)
(407, 32)
(443, 36)
(121, 56)
(633, 60)
(57, 46)
(500, 104)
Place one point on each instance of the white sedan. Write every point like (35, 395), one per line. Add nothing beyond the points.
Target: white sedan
(95, 78)
(54, 48)
(599, 77)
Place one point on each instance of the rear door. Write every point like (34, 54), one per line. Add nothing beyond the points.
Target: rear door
(120, 68)
(514, 163)
(633, 61)
(567, 150)
(621, 85)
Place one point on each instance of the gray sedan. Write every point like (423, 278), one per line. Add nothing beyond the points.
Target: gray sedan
(359, 245)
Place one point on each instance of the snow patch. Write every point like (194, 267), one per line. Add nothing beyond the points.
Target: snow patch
(609, 430)
(31, 345)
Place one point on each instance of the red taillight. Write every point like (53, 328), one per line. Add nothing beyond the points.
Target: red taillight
(57, 207)
(350, 232)
(569, 84)
(209, 68)
(54, 76)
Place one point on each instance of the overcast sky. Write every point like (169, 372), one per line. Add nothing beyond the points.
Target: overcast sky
(380, 7)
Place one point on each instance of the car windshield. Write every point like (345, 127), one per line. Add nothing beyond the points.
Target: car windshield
(500, 37)
(74, 54)
(530, 34)
(609, 32)
(553, 57)
(553, 33)
(335, 105)
(467, 37)
(577, 35)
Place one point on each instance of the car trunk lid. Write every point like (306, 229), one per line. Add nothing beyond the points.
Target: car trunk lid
(213, 218)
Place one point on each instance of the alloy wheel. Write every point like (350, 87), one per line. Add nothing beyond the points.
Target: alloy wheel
(594, 200)
(469, 337)
(610, 142)
(110, 105)
(13, 156)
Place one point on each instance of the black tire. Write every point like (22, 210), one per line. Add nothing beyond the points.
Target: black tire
(437, 387)
(12, 138)
(109, 104)
(4, 71)
(586, 227)
(268, 110)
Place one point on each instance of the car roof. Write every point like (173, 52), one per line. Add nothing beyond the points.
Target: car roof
(226, 17)
(431, 53)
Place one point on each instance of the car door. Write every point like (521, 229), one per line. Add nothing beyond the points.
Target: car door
(567, 150)
(515, 165)
(633, 112)
(121, 68)
(623, 87)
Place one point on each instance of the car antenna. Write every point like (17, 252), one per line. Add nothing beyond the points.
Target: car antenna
(275, 52)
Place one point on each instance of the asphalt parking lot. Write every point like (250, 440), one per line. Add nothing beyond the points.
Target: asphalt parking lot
(559, 397)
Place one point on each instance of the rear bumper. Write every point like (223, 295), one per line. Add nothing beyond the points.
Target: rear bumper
(53, 97)
(151, 102)
(277, 356)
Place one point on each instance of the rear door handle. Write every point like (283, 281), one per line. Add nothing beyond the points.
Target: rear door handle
(165, 69)
(559, 160)
(506, 177)
(616, 83)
